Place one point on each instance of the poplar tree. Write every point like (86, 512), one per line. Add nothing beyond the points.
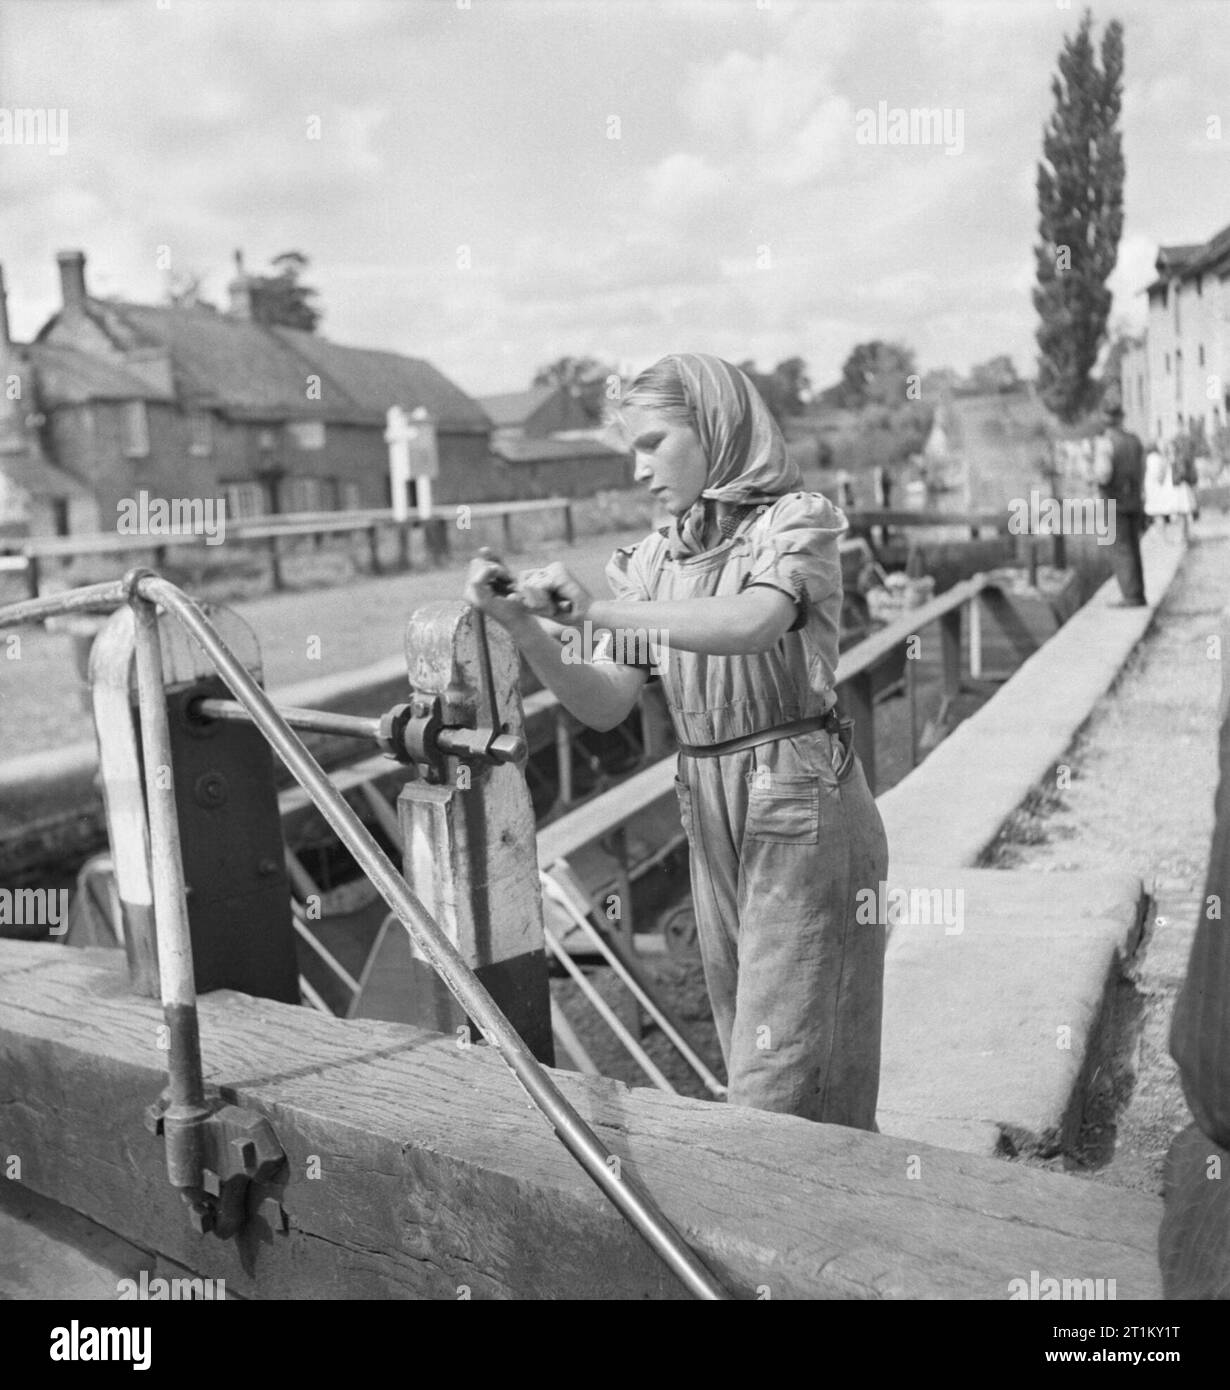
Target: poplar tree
(1080, 217)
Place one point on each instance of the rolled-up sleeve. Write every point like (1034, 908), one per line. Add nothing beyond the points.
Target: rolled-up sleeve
(795, 549)
(627, 583)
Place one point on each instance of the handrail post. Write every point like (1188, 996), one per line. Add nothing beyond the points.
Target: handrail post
(185, 1117)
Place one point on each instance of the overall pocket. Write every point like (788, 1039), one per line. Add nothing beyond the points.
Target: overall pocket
(783, 810)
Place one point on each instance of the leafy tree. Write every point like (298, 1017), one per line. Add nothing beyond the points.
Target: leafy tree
(584, 377)
(785, 390)
(184, 290)
(281, 299)
(877, 373)
(995, 374)
(794, 385)
(1080, 217)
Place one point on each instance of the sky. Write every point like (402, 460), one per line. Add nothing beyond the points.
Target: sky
(492, 184)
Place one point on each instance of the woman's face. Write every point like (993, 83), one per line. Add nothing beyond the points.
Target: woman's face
(668, 458)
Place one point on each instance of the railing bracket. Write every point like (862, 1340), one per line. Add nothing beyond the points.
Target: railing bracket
(238, 1150)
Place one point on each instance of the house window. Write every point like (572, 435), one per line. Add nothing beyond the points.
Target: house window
(134, 429)
(1202, 354)
(352, 497)
(309, 495)
(244, 499)
(200, 434)
(306, 434)
(1167, 360)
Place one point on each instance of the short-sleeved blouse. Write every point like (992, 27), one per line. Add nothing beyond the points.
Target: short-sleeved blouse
(791, 545)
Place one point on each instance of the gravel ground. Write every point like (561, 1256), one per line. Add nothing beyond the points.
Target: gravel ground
(1143, 775)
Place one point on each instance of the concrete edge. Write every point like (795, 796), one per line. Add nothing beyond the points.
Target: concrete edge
(951, 808)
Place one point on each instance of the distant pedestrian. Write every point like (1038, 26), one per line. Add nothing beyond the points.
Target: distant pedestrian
(884, 497)
(1119, 467)
(845, 490)
(1159, 504)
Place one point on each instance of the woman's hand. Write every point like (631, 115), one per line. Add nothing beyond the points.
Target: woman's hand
(490, 588)
(546, 591)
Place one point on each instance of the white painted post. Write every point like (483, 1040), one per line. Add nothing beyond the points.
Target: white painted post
(397, 437)
(425, 459)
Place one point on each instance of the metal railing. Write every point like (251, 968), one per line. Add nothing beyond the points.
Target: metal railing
(145, 591)
(881, 660)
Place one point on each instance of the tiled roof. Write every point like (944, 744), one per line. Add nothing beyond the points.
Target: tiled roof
(552, 450)
(69, 377)
(515, 407)
(33, 474)
(249, 371)
(376, 380)
(1189, 259)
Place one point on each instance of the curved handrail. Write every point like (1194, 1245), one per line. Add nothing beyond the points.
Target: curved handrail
(637, 1207)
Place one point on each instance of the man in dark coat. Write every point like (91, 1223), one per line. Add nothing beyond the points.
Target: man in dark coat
(1121, 481)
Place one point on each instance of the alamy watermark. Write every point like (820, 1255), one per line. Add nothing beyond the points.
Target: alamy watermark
(176, 516)
(35, 907)
(888, 906)
(1045, 1287)
(920, 125)
(1040, 515)
(628, 646)
(77, 1343)
(163, 1290)
(35, 125)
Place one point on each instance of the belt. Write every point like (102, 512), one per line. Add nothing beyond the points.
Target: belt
(831, 720)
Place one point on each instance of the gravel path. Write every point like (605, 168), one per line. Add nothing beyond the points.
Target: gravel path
(1140, 798)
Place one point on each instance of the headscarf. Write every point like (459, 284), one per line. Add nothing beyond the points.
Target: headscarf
(748, 462)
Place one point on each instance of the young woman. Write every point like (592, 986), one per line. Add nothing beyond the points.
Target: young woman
(743, 591)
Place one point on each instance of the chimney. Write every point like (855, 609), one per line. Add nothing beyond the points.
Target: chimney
(5, 339)
(72, 278)
(240, 291)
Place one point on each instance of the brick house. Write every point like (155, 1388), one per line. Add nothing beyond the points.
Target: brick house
(189, 402)
(550, 446)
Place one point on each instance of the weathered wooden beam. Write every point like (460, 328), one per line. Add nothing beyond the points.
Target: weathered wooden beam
(417, 1169)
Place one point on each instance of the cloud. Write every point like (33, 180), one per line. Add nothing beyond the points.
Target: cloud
(681, 184)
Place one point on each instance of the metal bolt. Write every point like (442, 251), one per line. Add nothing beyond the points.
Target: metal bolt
(210, 789)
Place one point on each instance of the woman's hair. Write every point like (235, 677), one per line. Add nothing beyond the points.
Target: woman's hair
(658, 388)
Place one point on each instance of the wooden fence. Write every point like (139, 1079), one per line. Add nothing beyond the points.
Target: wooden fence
(32, 555)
